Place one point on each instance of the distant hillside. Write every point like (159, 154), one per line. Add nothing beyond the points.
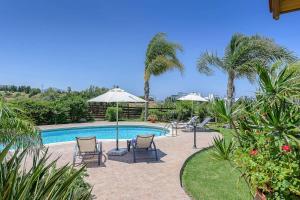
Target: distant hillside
(10, 92)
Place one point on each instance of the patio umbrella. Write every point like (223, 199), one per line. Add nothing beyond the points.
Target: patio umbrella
(193, 97)
(117, 95)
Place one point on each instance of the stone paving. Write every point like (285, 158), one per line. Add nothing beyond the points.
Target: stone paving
(121, 179)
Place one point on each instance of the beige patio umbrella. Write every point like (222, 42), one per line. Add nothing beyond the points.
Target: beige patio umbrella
(193, 97)
(117, 95)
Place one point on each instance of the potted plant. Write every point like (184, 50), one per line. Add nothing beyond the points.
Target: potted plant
(259, 195)
(152, 118)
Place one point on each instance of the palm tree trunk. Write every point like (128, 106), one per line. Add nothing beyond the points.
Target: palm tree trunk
(230, 88)
(146, 92)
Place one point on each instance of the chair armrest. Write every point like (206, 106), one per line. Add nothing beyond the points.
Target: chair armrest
(99, 146)
(154, 146)
(133, 144)
(76, 151)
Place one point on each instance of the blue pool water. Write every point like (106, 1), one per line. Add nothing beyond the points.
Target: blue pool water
(103, 132)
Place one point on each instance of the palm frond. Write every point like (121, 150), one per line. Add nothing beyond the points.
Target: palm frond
(206, 60)
(14, 124)
(244, 53)
(161, 56)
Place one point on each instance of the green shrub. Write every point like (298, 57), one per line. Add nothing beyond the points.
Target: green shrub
(267, 131)
(163, 116)
(111, 114)
(41, 112)
(202, 110)
(77, 107)
(69, 108)
(183, 110)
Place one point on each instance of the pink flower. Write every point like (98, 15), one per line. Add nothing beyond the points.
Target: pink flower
(253, 152)
(286, 148)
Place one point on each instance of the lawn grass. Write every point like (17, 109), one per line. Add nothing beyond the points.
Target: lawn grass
(208, 179)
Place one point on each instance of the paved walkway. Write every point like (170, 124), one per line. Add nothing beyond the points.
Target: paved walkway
(119, 178)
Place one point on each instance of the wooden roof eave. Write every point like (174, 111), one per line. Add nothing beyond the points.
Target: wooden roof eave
(278, 7)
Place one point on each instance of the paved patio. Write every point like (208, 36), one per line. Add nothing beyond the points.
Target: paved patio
(120, 178)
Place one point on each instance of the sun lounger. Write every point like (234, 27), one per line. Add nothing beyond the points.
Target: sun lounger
(199, 127)
(87, 146)
(142, 143)
(186, 124)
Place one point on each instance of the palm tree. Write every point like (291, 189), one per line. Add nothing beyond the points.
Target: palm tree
(241, 57)
(161, 56)
(15, 126)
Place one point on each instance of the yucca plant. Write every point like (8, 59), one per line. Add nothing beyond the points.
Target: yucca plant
(269, 157)
(223, 150)
(268, 129)
(40, 179)
(277, 86)
(228, 114)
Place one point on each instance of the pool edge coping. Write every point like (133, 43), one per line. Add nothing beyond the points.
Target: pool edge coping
(158, 126)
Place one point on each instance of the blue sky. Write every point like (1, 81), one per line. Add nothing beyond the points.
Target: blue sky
(74, 43)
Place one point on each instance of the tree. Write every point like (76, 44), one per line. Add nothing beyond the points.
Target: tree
(161, 56)
(241, 57)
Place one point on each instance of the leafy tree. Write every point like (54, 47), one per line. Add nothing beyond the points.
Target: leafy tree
(93, 91)
(51, 94)
(161, 56)
(34, 91)
(241, 57)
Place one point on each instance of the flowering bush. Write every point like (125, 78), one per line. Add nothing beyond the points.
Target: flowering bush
(267, 136)
(269, 168)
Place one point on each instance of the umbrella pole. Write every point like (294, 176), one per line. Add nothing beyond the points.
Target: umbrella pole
(192, 109)
(117, 126)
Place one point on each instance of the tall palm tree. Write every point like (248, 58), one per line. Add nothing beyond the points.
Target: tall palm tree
(241, 57)
(161, 56)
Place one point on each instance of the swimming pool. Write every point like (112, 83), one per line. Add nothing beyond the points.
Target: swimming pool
(101, 132)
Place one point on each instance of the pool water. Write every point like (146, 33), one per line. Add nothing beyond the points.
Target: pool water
(103, 132)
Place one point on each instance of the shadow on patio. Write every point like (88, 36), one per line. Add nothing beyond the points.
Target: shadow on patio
(143, 156)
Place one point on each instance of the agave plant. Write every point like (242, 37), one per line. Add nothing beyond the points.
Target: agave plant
(40, 180)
